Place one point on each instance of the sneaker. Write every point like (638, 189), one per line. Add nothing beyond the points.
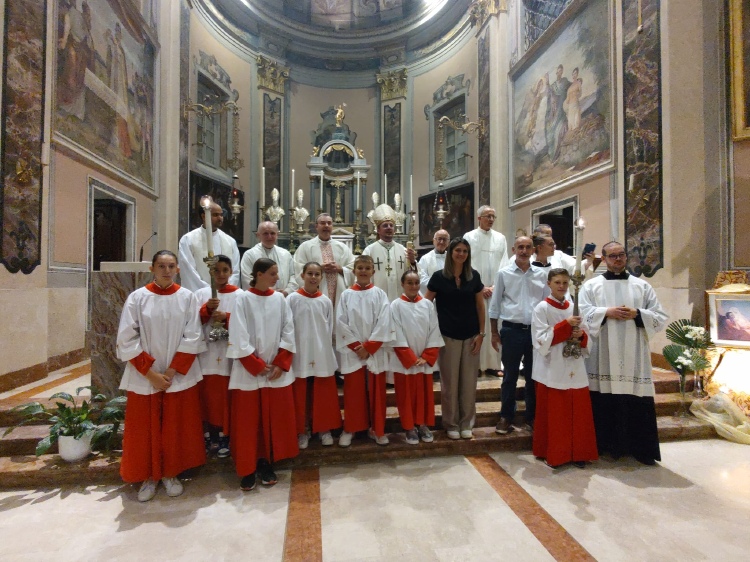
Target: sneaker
(453, 434)
(503, 426)
(345, 439)
(466, 434)
(248, 482)
(223, 451)
(412, 437)
(267, 475)
(382, 440)
(173, 486)
(326, 439)
(525, 426)
(302, 440)
(426, 434)
(147, 491)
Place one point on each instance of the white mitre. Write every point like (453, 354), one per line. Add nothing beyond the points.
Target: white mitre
(383, 213)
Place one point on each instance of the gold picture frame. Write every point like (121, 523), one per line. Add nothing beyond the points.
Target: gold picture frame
(739, 27)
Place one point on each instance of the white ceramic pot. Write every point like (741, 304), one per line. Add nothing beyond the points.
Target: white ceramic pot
(72, 449)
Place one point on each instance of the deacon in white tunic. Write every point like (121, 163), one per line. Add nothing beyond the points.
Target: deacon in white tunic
(268, 234)
(489, 254)
(193, 270)
(391, 259)
(623, 314)
(434, 260)
(335, 257)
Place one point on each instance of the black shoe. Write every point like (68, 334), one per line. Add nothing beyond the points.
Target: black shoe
(267, 475)
(248, 482)
(579, 464)
(223, 451)
(646, 460)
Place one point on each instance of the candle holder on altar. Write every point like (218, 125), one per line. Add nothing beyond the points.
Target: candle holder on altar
(218, 332)
(357, 228)
(292, 222)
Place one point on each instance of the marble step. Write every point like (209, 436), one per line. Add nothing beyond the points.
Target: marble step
(488, 390)
(22, 441)
(30, 472)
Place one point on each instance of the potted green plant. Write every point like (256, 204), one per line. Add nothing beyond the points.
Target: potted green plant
(687, 353)
(75, 426)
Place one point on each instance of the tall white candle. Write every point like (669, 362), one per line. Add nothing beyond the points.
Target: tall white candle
(291, 191)
(385, 188)
(411, 192)
(358, 190)
(206, 204)
(263, 189)
(321, 189)
(580, 226)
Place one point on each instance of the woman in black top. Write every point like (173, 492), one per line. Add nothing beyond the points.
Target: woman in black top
(457, 293)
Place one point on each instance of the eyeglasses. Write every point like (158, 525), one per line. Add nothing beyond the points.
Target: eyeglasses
(620, 256)
(493, 217)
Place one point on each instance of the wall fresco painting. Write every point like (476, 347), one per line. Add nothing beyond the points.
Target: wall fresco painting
(562, 106)
(22, 134)
(272, 144)
(104, 83)
(392, 150)
(643, 138)
(183, 224)
(483, 94)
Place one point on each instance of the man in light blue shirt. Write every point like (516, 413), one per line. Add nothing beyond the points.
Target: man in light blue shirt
(519, 287)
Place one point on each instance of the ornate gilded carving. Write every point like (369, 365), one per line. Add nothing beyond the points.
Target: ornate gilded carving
(210, 65)
(338, 148)
(271, 75)
(445, 92)
(392, 84)
(481, 10)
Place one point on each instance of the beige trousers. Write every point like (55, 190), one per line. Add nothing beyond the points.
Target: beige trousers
(458, 384)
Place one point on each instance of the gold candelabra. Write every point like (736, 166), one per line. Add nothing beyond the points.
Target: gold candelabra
(467, 127)
(292, 224)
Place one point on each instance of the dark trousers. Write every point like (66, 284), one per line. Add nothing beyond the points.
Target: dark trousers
(517, 347)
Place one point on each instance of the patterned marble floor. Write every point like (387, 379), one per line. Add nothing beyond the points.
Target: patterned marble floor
(693, 506)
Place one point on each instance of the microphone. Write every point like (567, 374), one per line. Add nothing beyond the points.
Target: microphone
(140, 255)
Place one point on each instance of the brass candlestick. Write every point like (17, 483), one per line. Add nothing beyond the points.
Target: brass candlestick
(292, 247)
(357, 227)
(572, 348)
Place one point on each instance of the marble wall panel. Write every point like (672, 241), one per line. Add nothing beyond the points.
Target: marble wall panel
(272, 119)
(483, 100)
(22, 125)
(109, 291)
(392, 149)
(643, 137)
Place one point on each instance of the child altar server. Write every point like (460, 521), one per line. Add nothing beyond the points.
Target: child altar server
(159, 337)
(416, 343)
(564, 429)
(215, 367)
(363, 325)
(316, 397)
(261, 340)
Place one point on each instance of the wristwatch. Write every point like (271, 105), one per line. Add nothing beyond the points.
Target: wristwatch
(481, 334)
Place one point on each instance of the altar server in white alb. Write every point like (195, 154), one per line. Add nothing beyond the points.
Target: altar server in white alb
(316, 397)
(489, 254)
(416, 344)
(268, 234)
(434, 260)
(261, 341)
(160, 337)
(390, 258)
(564, 424)
(193, 248)
(335, 257)
(363, 327)
(215, 366)
(623, 314)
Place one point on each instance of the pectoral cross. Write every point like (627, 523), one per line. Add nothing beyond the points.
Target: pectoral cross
(378, 263)
(388, 268)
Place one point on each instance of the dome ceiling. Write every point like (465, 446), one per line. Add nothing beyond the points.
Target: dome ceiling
(341, 35)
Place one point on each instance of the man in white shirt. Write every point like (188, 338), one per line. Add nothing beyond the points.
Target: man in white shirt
(391, 259)
(268, 234)
(335, 257)
(193, 270)
(519, 287)
(489, 254)
(434, 260)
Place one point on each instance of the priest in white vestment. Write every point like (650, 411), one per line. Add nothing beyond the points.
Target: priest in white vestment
(623, 314)
(489, 254)
(434, 260)
(193, 270)
(391, 259)
(268, 234)
(335, 257)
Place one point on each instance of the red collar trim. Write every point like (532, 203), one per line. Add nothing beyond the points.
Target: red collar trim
(407, 299)
(557, 304)
(171, 290)
(304, 293)
(228, 289)
(356, 287)
(266, 293)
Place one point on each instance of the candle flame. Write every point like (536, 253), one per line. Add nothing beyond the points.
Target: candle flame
(206, 201)
(580, 223)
